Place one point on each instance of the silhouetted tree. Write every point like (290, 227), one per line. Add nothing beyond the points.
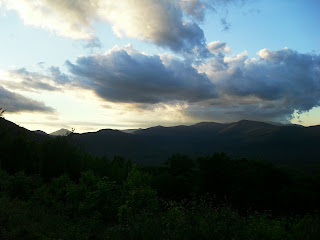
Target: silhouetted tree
(2, 111)
(180, 164)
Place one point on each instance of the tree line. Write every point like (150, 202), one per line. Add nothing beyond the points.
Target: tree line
(51, 189)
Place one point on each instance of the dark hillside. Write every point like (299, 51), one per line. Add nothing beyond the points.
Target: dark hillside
(111, 143)
(7, 127)
(284, 144)
(55, 188)
(252, 139)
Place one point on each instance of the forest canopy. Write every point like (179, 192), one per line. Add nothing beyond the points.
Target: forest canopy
(52, 189)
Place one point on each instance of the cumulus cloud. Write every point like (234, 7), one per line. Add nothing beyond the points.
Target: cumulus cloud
(66, 18)
(126, 75)
(160, 22)
(23, 79)
(13, 102)
(280, 82)
(195, 8)
(218, 47)
(270, 87)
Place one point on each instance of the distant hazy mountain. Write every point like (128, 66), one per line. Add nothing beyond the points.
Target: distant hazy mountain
(284, 124)
(130, 130)
(61, 132)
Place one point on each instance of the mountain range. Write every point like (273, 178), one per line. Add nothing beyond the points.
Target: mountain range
(251, 139)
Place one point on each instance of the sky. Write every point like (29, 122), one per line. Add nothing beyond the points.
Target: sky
(129, 64)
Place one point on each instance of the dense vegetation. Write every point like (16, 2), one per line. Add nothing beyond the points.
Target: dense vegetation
(50, 189)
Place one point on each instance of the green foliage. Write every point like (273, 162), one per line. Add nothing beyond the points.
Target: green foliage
(18, 154)
(58, 156)
(102, 202)
(246, 183)
(136, 179)
(139, 196)
(141, 200)
(180, 164)
(53, 190)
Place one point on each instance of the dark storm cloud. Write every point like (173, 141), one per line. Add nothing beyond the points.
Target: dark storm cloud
(125, 75)
(270, 87)
(13, 102)
(286, 74)
(188, 39)
(239, 109)
(280, 82)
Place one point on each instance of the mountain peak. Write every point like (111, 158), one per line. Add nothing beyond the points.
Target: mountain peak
(61, 132)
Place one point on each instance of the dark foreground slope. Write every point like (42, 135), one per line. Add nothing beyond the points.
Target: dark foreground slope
(7, 127)
(285, 144)
(53, 190)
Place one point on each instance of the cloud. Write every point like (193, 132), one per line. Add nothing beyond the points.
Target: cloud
(126, 75)
(23, 79)
(198, 8)
(13, 102)
(232, 108)
(218, 47)
(93, 43)
(160, 22)
(195, 8)
(68, 18)
(220, 7)
(271, 87)
(172, 24)
(57, 76)
(278, 82)
(225, 24)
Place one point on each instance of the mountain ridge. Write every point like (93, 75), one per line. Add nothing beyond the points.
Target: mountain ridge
(245, 138)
